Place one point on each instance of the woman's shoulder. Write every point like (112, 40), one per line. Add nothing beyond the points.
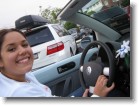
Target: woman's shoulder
(7, 86)
(5, 80)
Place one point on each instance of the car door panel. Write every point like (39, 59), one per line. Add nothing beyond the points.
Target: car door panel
(58, 74)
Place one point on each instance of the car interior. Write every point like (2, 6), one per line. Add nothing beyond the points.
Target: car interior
(96, 57)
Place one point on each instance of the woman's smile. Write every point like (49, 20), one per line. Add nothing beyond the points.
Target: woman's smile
(23, 60)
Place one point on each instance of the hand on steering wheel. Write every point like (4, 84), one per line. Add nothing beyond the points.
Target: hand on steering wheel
(92, 70)
(101, 88)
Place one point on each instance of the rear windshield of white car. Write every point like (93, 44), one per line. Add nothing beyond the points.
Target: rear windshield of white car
(39, 36)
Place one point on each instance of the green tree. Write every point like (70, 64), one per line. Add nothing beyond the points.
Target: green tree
(125, 3)
(69, 25)
(51, 14)
(90, 13)
(46, 13)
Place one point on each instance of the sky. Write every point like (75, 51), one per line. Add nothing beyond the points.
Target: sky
(11, 10)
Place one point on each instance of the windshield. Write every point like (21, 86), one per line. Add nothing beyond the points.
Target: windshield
(113, 13)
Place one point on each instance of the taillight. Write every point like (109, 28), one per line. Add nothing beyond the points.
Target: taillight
(60, 46)
(55, 48)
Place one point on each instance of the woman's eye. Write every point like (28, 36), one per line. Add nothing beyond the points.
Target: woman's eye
(11, 49)
(25, 45)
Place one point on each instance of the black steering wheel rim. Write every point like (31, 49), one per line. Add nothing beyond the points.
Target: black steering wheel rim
(110, 59)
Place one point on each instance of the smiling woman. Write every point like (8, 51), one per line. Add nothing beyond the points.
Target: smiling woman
(16, 60)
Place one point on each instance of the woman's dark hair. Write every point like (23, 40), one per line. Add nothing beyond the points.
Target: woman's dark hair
(3, 32)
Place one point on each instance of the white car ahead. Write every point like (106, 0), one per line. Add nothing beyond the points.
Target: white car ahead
(50, 43)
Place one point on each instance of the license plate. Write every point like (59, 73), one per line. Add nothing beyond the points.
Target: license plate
(35, 56)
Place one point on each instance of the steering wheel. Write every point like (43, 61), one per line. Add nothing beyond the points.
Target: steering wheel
(90, 71)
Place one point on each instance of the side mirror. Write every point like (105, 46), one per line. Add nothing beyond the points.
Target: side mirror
(86, 41)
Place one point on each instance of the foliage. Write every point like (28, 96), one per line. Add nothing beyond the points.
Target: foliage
(125, 3)
(69, 25)
(51, 14)
(90, 13)
(87, 12)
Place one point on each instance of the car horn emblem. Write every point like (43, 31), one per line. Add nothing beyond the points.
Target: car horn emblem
(88, 70)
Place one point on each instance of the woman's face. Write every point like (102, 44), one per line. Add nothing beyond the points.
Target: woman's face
(16, 55)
